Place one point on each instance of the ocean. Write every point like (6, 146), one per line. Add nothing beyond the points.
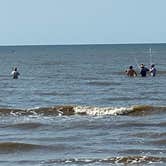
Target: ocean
(74, 105)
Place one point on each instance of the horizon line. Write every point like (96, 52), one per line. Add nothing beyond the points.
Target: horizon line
(79, 44)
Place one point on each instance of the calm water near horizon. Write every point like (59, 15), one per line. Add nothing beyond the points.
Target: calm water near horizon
(74, 105)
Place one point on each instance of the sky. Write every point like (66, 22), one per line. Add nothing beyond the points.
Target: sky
(58, 22)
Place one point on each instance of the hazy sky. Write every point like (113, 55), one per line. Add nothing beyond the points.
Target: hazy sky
(82, 21)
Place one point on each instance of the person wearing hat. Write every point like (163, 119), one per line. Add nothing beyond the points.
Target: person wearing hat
(131, 72)
(144, 70)
(152, 70)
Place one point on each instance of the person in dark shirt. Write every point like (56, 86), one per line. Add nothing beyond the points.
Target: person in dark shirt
(144, 70)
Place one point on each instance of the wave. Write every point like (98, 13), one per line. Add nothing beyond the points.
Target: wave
(10, 147)
(19, 147)
(113, 160)
(139, 110)
(129, 160)
(103, 83)
(26, 126)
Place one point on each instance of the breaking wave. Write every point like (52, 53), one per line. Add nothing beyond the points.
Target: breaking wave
(139, 110)
(129, 160)
(112, 160)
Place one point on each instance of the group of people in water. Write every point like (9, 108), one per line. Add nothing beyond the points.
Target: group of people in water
(130, 71)
(143, 71)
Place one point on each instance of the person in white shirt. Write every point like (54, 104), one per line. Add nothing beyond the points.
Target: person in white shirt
(15, 73)
(153, 70)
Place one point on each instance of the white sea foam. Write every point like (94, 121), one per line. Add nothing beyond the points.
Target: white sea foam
(88, 110)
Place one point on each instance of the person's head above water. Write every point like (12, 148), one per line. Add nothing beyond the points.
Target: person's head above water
(142, 65)
(130, 67)
(15, 69)
(152, 65)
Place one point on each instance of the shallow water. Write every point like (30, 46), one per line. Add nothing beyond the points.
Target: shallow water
(74, 105)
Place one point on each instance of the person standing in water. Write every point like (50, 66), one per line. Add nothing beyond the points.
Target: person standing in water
(15, 73)
(144, 70)
(153, 70)
(131, 72)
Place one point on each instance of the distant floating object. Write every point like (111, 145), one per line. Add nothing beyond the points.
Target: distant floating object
(13, 51)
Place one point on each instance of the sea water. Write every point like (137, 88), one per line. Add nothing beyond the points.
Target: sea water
(74, 105)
